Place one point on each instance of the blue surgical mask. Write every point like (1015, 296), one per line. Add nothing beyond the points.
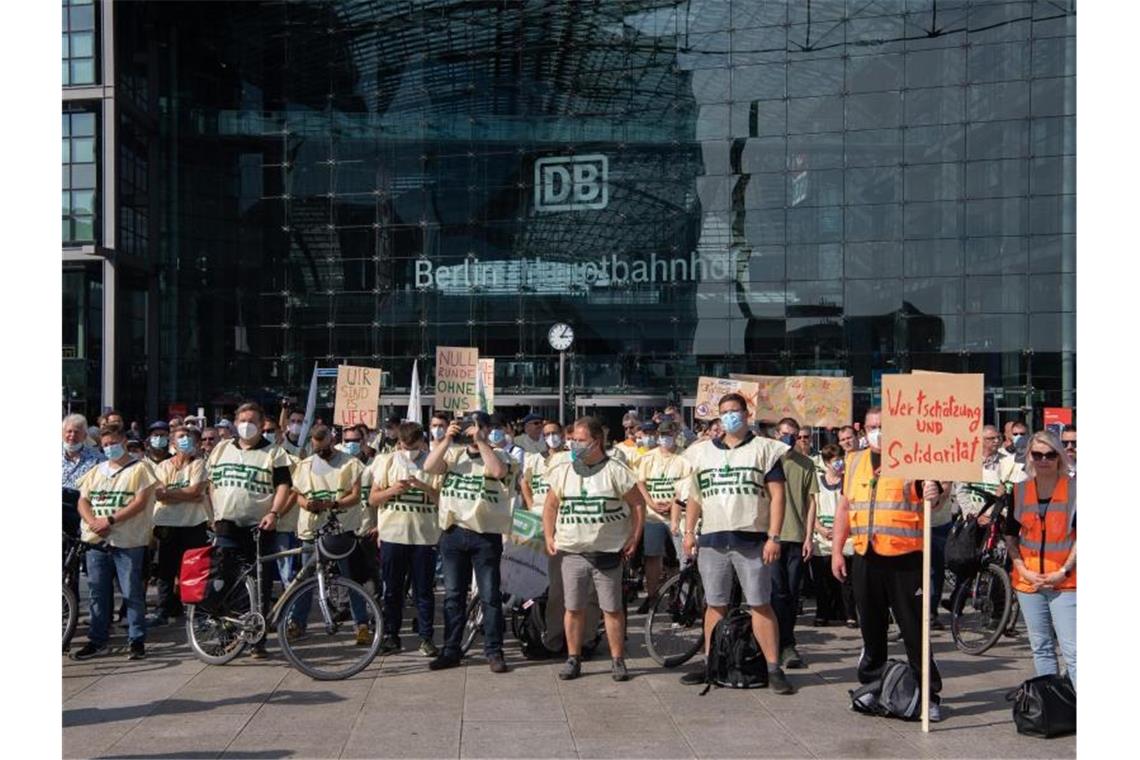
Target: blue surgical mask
(158, 441)
(837, 465)
(732, 422)
(115, 451)
(666, 441)
(270, 436)
(437, 432)
(1017, 438)
(578, 450)
(496, 436)
(185, 444)
(788, 439)
(352, 448)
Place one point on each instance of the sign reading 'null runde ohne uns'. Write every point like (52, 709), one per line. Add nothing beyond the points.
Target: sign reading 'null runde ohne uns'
(932, 426)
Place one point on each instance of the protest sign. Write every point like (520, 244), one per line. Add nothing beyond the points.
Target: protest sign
(808, 399)
(523, 568)
(710, 390)
(357, 396)
(455, 377)
(1056, 417)
(932, 426)
(487, 373)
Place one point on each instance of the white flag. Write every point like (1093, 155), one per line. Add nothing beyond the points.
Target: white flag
(310, 409)
(415, 409)
(480, 390)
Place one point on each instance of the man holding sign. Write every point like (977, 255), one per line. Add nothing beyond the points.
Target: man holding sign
(884, 517)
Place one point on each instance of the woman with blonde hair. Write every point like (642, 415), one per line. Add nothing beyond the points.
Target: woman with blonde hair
(1041, 535)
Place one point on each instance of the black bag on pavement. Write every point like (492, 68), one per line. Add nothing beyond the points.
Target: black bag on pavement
(531, 628)
(735, 660)
(1045, 706)
(898, 694)
(963, 547)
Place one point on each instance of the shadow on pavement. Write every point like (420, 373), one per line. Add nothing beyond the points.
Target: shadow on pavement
(188, 755)
(83, 716)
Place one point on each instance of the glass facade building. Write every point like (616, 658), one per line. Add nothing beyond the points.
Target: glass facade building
(698, 187)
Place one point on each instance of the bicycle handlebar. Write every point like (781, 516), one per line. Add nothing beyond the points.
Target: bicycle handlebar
(990, 499)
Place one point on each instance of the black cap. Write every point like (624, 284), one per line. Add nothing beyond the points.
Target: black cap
(532, 417)
(159, 425)
(649, 427)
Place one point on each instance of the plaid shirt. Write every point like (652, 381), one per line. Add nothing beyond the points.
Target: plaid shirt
(73, 471)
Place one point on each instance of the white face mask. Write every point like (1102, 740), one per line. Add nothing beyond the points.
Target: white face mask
(873, 436)
(71, 448)
(247, 431)
(294, 429)
(666, 442)
(554, 440)
(437, 432)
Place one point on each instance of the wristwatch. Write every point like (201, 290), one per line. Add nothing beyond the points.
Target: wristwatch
(110, 519)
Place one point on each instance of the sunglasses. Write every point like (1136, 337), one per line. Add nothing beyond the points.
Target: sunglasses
(803, 437)
(1040, 455)
(1069, 444)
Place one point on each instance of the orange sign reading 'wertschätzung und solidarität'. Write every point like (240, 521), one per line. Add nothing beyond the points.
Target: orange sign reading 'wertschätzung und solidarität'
(932, 426)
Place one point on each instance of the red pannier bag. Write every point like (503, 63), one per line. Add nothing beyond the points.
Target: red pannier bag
(200, 579)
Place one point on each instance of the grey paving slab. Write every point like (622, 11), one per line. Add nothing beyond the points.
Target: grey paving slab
(517, 739)
(426, 736)
(158, 734)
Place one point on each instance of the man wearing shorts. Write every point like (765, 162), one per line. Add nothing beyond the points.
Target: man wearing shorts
(593, 516)
(738, 488)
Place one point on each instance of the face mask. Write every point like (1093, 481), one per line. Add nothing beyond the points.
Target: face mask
(247, 431)
(71, 448)
(497, 437)
(788, 439)
(732, 422)
(554, 441)
(578, 450)
(294, 429)
(1017, 438)
(185, 444)
(837, 465)
(352, 448)
(158, 441)
(115, 451)
(873, 438)
(270, 436)
(438, 432)
(666, 442)
(649, 441)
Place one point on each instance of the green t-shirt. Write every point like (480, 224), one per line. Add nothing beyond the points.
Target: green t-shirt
(800, 483)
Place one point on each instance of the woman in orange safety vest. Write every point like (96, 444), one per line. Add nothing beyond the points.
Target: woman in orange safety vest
(1042, 538)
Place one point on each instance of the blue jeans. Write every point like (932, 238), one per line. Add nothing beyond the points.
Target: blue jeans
(397, 561)
(787, 578)
(462, 551)
(102, 568)
(300, 614)
(287, 567)
(1047, 611)
(938, 536)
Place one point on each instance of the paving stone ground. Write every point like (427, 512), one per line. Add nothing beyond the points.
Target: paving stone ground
(170, 705)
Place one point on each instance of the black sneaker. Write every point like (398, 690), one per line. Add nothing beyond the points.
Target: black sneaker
(618, 669)
(89, 650)
(778, 682)
(138, 651)
(694, 678)
(643, 608)
(571, 670)
(390, 644)
(443, 662)
(790, 659)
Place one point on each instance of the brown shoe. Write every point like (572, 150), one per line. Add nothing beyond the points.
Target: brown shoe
(498, 664)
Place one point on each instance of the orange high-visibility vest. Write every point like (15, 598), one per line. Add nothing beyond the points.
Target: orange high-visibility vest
(884, 512)
(1047, 533)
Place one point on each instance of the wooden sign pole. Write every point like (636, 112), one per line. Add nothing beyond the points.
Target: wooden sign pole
(926, 507)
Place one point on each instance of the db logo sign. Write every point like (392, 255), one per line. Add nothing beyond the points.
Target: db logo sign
(571, 183)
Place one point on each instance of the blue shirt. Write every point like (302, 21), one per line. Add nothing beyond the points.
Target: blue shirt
(74, 470)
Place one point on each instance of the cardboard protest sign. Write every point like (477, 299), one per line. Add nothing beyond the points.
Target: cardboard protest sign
(487, 373)
(810, 400)
(1056, 417)
(710, 390)
(932, 426)
(357, 396)
(455, 377)
(524, 566)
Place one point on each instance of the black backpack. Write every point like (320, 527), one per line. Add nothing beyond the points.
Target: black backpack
(1045, 706)
(897, 694)
(963, 547)
(531, 628)
(735, 660)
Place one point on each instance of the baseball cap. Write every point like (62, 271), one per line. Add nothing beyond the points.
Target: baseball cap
(159, 425)
(532, 417)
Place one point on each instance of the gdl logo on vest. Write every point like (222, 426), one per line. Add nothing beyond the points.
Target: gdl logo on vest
(571, 183)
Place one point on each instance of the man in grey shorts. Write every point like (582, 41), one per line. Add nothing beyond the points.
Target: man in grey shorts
(593, 515)
(737, 487)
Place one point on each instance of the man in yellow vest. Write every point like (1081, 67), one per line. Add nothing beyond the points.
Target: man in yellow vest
(883, 515)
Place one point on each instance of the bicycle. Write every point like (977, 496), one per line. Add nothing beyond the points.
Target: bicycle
(517, 610)
(320, 650)
(675, 627)
(73, 555)
(983, 606)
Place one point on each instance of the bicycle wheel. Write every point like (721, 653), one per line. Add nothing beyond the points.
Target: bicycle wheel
(70, 615)
(675, 628)
(329, 649)
(474, 625)
(980, 610)
(218, 636)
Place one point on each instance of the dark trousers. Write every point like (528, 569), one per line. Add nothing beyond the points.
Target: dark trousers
(938, 536)
(885, 585)
(238, 546)
(397, 563)
(462, 551)
(172, 542)
(833, 600)
(787, 577)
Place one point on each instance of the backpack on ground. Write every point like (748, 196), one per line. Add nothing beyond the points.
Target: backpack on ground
(1045, 706)
(531, 629)
(201, 580)
(735, 660)
(897, 694)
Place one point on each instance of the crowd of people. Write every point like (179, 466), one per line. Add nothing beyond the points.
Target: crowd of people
(761, 505)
